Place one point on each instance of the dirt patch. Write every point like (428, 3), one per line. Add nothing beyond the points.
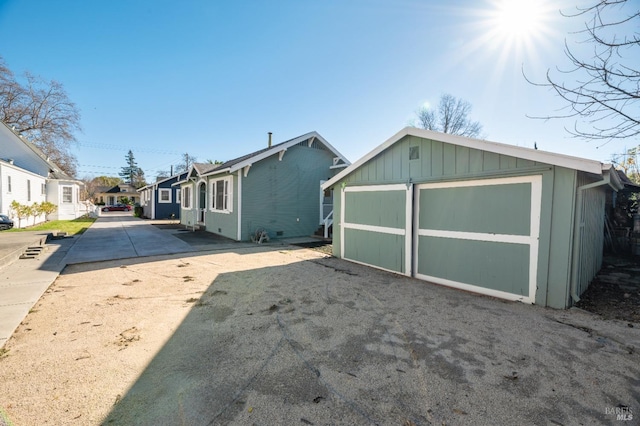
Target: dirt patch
(324, 247)
(615, 291)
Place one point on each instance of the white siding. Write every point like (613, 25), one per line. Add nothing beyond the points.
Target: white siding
(19, 179)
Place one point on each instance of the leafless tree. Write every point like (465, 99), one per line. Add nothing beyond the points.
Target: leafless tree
(452, 116)
(604, 86)
(187, 161)
(43, 113)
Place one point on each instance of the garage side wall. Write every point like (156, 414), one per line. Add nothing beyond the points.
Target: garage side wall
(592, 233)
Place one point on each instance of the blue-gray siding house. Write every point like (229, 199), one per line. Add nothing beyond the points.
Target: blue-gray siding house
(275, 189)
(161, 199)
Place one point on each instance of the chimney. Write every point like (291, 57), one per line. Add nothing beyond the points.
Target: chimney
(270, 133)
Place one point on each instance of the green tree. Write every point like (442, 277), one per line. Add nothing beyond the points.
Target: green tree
(452, 116)
(21, 211)
(131, 173)
(46, 208)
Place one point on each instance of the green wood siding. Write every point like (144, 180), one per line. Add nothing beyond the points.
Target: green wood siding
(554, 263)
(283, 197)
(218, 222)
(592, 233)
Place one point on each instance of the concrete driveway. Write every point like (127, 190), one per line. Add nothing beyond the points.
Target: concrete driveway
(119, 235)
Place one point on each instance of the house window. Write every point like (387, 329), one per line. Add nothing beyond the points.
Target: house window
(28, 190)
(178, 193)
(9, 184)
(67, 195)
(186, 196)
(414, 153)
(43, 189)
(165, 195)
(221, 195)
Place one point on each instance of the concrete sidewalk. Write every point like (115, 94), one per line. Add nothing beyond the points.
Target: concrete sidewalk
(23, 281)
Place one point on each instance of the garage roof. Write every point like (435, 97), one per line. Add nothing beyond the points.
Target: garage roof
(570, 162)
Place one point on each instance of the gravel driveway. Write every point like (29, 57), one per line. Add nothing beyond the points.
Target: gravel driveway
(266, 335)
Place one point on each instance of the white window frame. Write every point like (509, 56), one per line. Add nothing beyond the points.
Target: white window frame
(9, 184)
(70, 195)
(178, 196)
(162, 191)
(43, 188)
(28, 189)
(187, 197)
(227, 196)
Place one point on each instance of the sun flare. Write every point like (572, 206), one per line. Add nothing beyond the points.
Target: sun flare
(518, 18)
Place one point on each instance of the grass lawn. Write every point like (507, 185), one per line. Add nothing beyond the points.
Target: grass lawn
(71, 227)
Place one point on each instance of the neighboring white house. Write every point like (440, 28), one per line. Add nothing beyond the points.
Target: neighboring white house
(23, 186)
(28, 176)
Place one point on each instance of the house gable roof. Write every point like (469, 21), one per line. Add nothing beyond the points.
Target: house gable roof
(34, 152)
(177, 177)
(248, 159)
(570, 162)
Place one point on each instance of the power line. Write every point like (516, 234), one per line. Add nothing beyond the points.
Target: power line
(126, 148)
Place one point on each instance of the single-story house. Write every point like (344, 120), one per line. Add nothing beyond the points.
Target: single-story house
(275, 190)
(501, 220)
(161, 200)
(116, 194)
(28, 176)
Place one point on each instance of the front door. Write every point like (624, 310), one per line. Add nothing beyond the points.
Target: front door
(202, 201)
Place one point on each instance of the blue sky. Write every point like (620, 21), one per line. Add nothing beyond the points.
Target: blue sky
(211, 78)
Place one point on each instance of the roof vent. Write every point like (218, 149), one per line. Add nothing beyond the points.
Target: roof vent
(270, 133)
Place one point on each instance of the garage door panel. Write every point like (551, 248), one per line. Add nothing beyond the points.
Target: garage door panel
(384, 208)
(497, 209)
(480, 235)
(374, 248)
(490, 265)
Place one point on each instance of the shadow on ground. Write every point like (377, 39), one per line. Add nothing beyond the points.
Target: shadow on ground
(329, 342)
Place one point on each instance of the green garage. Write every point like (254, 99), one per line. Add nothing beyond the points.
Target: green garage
(495, 219)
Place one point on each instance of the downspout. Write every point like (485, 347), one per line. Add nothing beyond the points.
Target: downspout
(577, 234)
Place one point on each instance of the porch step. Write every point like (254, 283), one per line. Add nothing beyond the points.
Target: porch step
(319, 233)
(32, 252)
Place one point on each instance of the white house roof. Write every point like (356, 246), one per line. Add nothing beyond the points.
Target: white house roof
(570, 162)
(54, 171)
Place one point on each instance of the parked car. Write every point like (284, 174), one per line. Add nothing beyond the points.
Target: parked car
(5, 222)
(117, 208)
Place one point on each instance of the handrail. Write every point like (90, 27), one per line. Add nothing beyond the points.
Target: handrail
(327, 222)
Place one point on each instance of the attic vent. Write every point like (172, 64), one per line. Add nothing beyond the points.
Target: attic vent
(314, 145)
(414, 153)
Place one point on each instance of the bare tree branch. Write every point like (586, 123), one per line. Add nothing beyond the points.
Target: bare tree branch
(43, 113)
(603, 91)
